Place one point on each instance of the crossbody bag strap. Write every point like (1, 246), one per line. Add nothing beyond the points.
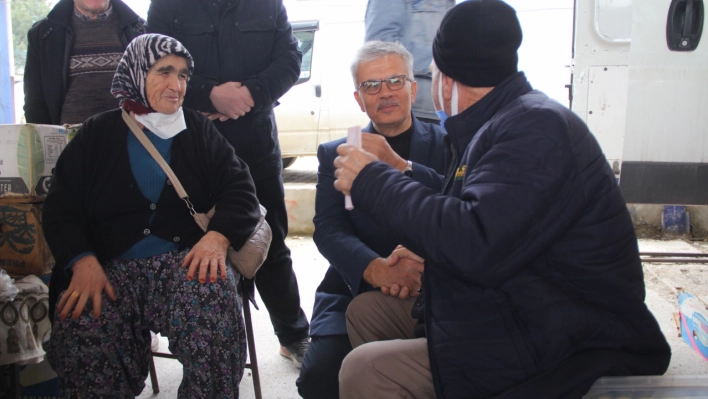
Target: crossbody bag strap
(158, 158)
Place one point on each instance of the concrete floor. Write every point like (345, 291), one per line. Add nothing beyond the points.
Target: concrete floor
(278, 375)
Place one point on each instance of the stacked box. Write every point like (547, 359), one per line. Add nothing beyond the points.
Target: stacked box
(28, 154)
(23, 249)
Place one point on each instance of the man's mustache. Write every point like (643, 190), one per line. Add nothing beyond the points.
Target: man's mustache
(387, 103)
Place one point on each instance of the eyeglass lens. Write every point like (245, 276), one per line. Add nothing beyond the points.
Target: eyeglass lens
(393, 83)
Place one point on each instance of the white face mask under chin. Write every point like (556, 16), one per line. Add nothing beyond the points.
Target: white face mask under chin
(453, 102)
(164, 126)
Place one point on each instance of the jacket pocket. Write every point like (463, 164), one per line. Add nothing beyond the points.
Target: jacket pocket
(198, 39)
(255, 38)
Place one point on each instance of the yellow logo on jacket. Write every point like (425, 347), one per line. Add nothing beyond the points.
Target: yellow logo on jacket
(460, 172)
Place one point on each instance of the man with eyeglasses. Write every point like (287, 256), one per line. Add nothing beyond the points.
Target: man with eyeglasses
(361, 257)
(412, 23)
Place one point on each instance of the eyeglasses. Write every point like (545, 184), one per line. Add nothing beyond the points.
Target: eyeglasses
(374, 86)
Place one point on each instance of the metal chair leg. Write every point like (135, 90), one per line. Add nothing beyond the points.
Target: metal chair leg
(153, 376)
(253, 365)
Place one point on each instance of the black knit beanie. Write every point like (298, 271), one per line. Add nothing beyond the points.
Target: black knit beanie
(477, 41)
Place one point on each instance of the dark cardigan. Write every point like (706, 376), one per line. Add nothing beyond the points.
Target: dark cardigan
(95, 205)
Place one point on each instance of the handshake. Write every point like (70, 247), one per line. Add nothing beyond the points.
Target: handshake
(398, 275)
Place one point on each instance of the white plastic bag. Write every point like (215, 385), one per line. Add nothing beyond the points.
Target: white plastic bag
(8, 291)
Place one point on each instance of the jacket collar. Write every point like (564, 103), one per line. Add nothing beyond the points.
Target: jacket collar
(462, 128)
(420, 140)
(62, 12)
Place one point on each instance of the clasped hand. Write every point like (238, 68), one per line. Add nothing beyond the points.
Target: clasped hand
(398, 275)
(232, 100)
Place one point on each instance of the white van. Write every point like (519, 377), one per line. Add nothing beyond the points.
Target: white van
(640, 81)
(321, 106)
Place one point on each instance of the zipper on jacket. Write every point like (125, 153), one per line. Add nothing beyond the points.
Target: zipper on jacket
(450, 177)
(68, 44)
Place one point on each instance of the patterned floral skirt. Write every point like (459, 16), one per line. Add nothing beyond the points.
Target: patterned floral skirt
(108, 357)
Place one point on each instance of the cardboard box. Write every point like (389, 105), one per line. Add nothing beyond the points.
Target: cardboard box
(28, 153)
(23, 249)
(693, 315)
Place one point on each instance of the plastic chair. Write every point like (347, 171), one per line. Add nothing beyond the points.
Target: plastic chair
(253, 361)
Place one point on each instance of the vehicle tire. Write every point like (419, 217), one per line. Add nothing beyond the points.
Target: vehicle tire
(287, 162)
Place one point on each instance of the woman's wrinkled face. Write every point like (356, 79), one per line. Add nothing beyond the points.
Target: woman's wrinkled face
(166, 84)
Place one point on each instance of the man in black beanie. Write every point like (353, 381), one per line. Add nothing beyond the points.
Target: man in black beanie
(533, 285)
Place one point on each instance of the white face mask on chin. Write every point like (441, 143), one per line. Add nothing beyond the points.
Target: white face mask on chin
(453, 102)
(164, 126)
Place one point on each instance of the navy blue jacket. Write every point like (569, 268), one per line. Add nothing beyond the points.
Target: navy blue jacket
(247, 41)
(349, 240)
(532, 267)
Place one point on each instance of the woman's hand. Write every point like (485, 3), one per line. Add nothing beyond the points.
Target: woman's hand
(88, 282)
(209, 255)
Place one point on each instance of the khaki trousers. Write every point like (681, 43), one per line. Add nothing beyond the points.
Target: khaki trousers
(387, 360)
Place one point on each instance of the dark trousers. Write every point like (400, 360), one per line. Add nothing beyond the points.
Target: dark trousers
(276, 281)
(319, 375)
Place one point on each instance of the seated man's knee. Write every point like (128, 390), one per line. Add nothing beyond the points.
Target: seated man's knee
(361, 304)
(354, 369)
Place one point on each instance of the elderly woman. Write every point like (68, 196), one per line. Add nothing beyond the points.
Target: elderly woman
(130, 257)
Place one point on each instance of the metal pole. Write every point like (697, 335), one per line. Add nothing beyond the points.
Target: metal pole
(7, 101)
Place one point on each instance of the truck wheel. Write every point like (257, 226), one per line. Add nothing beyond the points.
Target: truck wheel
(287, 162)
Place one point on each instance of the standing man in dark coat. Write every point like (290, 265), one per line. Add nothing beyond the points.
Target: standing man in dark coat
(72, 55)
(245, 58)
(361, 255)
(533, 284)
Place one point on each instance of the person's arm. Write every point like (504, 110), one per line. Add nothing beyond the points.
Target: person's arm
(377, 145)
(65, 227)
(384, 20)
(514, 202)
(64, 220)
(160, 20)
(282, 73)
(237, 211)
(36, 110)
(428, 177)
(334, 234)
